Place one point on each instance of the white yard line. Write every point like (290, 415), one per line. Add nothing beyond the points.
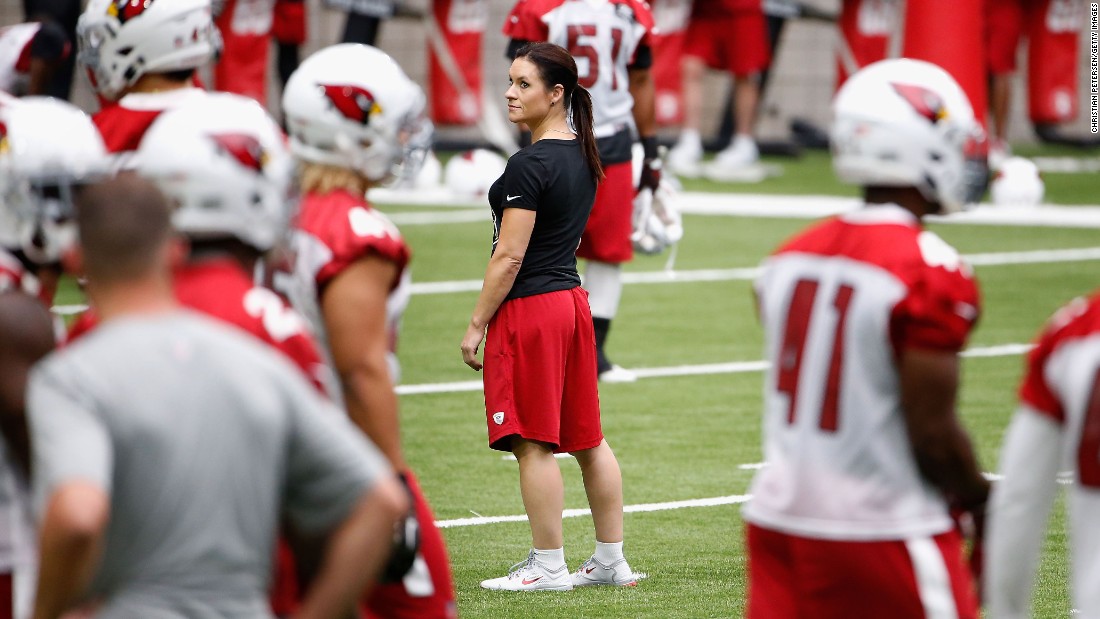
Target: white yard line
(732, 367)
(576, 513)
(759, 205)
(1042, 256)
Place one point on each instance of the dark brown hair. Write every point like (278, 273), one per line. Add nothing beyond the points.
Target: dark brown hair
(556, 66)
(123, 222)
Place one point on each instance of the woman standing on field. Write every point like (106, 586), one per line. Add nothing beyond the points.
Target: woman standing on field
(534, 317)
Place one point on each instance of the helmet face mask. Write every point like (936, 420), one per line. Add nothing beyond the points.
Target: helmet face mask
(353, 107)
(47, 149)
(223, 162)
(907, 123)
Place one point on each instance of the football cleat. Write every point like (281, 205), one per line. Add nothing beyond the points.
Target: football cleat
(618, 374)
(531, 575)
(592, 572)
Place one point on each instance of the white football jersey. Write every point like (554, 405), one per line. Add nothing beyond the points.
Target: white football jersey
(14, 64)
(602, 36)
(839, 303)
(18, 538)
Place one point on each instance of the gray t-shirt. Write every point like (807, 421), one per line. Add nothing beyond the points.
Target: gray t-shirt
(202, 437)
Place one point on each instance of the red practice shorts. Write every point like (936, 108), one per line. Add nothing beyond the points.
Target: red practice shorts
(606, 237)
(737, 43)
(1004, 24)
(427, 591)
(540, 372)
(791, 576)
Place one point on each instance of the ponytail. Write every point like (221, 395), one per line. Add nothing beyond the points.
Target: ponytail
(580, 104)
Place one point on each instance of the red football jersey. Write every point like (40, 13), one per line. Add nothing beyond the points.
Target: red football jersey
(245, 27)
(220, 288)
(839, 303)
(333, 231)
(602, 37)
(123, 123)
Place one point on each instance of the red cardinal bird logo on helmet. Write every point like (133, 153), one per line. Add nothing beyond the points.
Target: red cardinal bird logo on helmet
(927, 103)
(125, 10)
(354, 102)
(246, 149)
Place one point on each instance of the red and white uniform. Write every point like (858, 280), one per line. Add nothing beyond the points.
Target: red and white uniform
(839, 304)
(245, 27)
(602, 36)
(1056, 428)
(671, 18)
(332, 232)
(123, 123)
(866, 27)
(15, 56)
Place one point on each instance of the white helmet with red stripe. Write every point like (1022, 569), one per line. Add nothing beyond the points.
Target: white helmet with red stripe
(47, 147)
(225, 165)
(352, 106)
(907, 123)
(121, 40)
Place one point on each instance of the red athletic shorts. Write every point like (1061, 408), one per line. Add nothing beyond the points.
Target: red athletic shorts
(791, 576)
(427, 591)
(737, 43)
(540, 372)
(1004, 25)
(606, 237)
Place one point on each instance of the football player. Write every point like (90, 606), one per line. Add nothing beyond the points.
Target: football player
(47, 146)
(355, 120)
(864, 316)
(610, 40)
(1056, 428)
(30, 53)
(141, 59)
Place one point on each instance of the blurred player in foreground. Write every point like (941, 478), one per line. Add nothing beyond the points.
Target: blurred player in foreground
(355, 121)
(1056, 428)
(162, 398)
(864, 316)
(26, 335)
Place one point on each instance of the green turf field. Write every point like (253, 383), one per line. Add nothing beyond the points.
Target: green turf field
(683, 438)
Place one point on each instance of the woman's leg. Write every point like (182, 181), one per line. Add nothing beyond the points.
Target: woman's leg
(543, 492)
(603, 483)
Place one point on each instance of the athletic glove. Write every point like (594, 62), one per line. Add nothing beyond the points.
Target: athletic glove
(651, 165)
(406, 540)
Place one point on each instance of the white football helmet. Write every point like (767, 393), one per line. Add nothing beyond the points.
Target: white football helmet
(225, 165)
(470, 174)
(1017, 183)
(121, 40)
(907, 123)
(657, 220)
(352, 106)
(47, 147)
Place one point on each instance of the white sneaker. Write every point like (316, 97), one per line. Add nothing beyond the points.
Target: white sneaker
(531, 575)
(740, 153)
(595, 573)
(685, 156)
(618, 374)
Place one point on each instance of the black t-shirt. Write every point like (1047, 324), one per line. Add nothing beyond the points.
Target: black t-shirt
(551, 178)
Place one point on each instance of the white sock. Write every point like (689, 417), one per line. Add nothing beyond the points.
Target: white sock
(608, 553)
(604, 283)
(691, 137)
(551, 559)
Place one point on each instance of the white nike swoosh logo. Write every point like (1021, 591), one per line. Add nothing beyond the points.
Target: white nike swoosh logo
(510, 198)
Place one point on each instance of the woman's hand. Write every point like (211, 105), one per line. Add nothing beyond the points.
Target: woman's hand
(470, 343)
